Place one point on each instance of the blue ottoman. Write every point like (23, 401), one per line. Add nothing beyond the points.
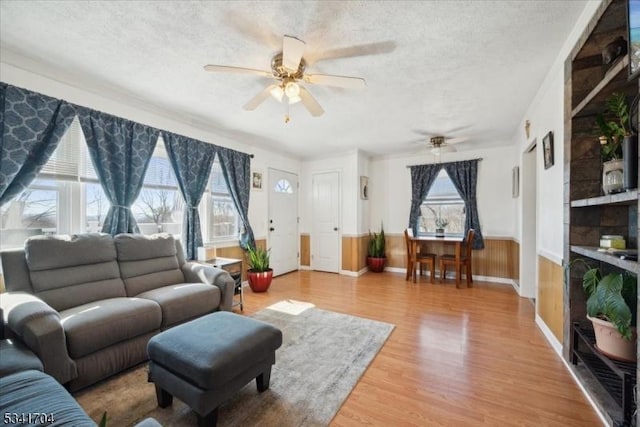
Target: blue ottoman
(205, 361)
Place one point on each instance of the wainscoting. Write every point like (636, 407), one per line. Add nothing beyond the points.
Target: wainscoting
(499, 258)
(238, 253)
(550, 295)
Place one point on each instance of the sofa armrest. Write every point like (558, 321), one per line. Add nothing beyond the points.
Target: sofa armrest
(38, 325)
(196, 272)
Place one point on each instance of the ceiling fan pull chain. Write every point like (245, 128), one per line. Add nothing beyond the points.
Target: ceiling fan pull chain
(287, 118)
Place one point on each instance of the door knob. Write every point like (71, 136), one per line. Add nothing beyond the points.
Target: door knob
(335, 228)
(271, 229)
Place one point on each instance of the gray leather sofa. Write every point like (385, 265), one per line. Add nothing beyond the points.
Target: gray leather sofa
(87, 304)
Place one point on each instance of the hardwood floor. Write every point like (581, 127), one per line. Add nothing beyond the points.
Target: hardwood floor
(457, 357)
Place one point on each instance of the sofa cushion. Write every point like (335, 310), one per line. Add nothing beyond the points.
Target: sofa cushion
(50, 252)
(67, 271)
(91, 327)
(147, 262)
(184, 301)
(31, 392)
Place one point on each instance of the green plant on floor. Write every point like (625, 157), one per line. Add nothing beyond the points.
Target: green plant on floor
(376, 247)
(258, 259)
(103, 420)
(612, 298)
(614, 125)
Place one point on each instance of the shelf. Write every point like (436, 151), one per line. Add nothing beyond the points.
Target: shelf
(592, 252)
(615, 72)
(617, 378)
(626, 198)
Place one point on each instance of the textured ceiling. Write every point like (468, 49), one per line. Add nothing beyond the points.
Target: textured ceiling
(463, 68)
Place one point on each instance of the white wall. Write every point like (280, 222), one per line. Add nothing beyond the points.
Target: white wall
(546, 113)
(390, 189)
(263, 158)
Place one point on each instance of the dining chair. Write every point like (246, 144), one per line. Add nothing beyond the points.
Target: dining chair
(465, 259)
(418, 258)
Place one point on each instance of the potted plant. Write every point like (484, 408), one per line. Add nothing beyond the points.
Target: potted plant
(440, 222)
(616, 131)
(376, 251)
(259, 274)
(611, 308)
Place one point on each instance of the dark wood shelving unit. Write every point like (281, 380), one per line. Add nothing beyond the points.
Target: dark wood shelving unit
(588, 214)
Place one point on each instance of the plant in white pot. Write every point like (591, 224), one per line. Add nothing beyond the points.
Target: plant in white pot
(611, 307)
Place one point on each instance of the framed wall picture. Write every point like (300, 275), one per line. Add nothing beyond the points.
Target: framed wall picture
(547, 150)
(515, 182)
(364, 188)
(256, 180)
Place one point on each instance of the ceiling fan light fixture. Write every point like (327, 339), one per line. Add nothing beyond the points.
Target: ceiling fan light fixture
(294, 99)
(277, 92)
(292, 90)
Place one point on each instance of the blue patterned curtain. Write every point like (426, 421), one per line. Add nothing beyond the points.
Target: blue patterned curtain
(236, 168)
(191, 161)
(422, 177)
(464, 176)
(120, 151)
(32, 125)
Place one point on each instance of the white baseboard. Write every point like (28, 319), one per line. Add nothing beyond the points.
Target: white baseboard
(557, 347)
(555, 344)
(490, 279)
(305, 267)
(350, 273)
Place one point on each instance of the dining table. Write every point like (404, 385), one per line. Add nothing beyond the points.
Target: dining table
(431, 239)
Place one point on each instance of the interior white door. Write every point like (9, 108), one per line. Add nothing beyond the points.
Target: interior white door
(325, 231)
(283, 221)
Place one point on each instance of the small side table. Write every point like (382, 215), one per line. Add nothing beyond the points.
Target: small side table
(234, 267)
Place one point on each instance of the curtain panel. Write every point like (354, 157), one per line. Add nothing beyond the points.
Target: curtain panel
(464, 176)
(32, 125)
(422, 178)
(120, 151)
(192, 161)
(236, 169)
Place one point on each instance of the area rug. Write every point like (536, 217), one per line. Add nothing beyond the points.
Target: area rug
(322, 357)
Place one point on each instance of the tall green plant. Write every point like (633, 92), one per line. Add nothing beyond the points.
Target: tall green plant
(612, 298)
(258, 259)
(376, 244)
(614, 125)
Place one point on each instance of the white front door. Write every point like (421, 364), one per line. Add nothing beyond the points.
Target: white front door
(283, 221)
(325, 232)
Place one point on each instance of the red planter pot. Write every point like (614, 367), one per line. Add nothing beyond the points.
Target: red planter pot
(376, 264)
(259, 281)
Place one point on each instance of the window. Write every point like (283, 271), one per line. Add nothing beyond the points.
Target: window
(68, 198)
(442, 202)
(283, 186)
(159, 206)
(222, 223)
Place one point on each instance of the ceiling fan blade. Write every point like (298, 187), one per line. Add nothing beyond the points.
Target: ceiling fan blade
(228, 69)
(337, 81)
(356, 50)
(456, 140)
(310, 103)
(292, 50)
(258, 99)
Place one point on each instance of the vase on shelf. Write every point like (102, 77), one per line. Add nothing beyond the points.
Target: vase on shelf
(612, 176)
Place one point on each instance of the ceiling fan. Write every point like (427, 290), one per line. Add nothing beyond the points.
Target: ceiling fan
(288, 68)
(440, 143)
